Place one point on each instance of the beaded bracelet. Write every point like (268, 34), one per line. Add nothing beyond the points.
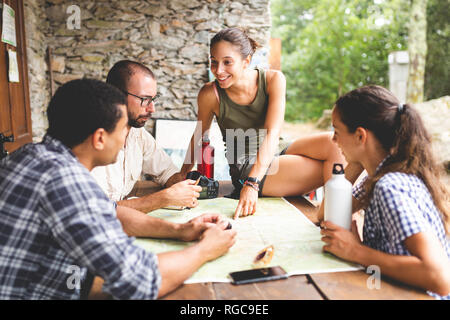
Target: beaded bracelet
(251, 184)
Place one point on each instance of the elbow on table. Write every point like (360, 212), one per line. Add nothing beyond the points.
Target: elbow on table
(441, 289)
(440, 281)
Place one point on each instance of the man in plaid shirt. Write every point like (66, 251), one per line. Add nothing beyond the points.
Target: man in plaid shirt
(57, 227)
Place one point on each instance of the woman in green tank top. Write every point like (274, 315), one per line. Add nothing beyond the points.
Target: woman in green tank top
(249, 105)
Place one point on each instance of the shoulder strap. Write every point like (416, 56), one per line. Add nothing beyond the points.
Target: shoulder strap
(263, 77)
(215, 91)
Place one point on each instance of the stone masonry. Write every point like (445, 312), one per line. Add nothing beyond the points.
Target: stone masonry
(169, 36)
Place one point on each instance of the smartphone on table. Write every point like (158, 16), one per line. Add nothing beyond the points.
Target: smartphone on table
(258, 275)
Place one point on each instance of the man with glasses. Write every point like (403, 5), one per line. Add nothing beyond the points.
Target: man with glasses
(141, 154)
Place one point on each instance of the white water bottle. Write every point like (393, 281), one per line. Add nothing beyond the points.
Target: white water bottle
(338, 198)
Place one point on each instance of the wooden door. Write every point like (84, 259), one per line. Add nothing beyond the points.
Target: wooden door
(15, 116)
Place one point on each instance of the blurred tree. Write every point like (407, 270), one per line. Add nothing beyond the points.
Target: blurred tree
(437, 67)
(417, 50)
(333, 46)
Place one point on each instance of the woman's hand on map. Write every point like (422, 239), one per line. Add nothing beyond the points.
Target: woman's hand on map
(247, 202)
(194, 228)
(339, 241)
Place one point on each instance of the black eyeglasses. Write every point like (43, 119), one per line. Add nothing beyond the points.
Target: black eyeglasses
(147, 100)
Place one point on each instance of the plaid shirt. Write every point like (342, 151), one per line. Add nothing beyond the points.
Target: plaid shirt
(56, 223)
(400, 207)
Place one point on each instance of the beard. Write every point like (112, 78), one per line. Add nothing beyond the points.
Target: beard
(135, 123)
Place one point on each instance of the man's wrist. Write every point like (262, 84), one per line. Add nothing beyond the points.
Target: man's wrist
(160, 199)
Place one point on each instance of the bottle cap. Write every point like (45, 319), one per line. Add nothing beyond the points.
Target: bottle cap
(338, 168)
(205, 137)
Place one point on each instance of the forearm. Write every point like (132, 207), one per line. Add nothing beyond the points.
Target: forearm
(407, 269)
(137, 224)
(147, 203)
(177, 266)
(177, 177)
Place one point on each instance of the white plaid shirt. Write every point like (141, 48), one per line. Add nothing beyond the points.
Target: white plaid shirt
(56, 223)
(400, 207)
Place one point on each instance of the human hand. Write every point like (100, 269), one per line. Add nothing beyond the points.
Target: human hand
(247, 202)
(184, 193)
(194, 228)
(215, 242)
(339, 241)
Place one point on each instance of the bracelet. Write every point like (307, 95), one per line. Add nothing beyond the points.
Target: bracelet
(251, 184)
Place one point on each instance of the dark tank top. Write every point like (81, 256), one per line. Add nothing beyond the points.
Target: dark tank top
(242, 126)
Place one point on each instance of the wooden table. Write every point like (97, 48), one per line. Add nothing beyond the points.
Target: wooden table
(320, 286)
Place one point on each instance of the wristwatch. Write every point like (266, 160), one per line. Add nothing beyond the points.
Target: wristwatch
(253, 180)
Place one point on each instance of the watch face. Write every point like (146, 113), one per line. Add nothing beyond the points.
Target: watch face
(253, 179)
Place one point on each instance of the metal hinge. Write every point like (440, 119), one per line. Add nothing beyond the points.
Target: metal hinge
(3, 152)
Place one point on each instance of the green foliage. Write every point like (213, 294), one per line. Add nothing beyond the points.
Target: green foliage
(437, 67)
(333, 46)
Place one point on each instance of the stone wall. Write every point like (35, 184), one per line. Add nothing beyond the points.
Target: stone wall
(169, 36)
(435, 114)
(39, 84)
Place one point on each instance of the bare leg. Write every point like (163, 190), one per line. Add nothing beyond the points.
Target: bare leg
(295, 175)
(319, 147)
(307, 165)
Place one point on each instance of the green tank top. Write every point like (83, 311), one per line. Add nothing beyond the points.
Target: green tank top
(242, 126)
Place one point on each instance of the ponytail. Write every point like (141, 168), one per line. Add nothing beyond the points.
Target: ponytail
(255, 45)
(412, 153)
(411, 138)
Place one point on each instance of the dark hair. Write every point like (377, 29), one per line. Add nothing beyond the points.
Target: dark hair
(238, 37)
(401, 132)
(120, 74)
(80, 107)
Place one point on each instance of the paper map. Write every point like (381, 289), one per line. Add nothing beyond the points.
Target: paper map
(296, 240)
